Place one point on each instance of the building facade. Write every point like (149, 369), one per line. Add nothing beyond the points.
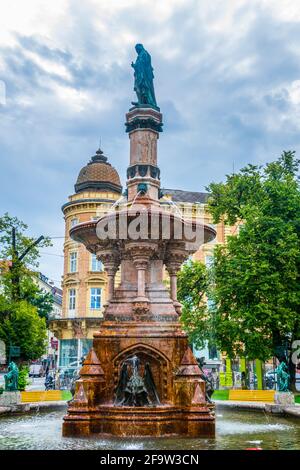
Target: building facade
(97, 190)
(194, 204)
(84, 282)
(50, 358)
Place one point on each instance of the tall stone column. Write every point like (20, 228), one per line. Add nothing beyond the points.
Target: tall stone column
(174, 259)
(172, 269)
(111, 273)
(173, 282)
(111, 261)
(143, 125)
(141, 256)
(141, 266)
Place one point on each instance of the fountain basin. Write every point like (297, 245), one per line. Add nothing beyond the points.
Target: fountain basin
(125, 421)
(157, 225)
(235, 430)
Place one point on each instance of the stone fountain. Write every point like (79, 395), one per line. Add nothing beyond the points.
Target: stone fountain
(141, 378)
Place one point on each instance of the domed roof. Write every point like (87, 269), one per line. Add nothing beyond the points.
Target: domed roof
(98, 174)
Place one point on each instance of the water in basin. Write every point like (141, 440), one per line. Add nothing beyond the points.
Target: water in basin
(234, 430)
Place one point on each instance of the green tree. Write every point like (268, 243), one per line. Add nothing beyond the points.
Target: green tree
(40, 299)
(256, 275)
(23, 241)
(23, 380)
(23, 327)
(24, 308)
(192, 290)
(22, 253)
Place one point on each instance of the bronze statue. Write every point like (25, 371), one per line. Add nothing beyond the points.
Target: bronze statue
(135, 390)
(209, 386)
(283, 377)
(75, 377)
(143, 78)
(12, 378)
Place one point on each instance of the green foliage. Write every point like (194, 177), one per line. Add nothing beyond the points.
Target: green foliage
(43, 301)
(17, 281)
(1, 390)
(192, 288)
(24, 307)
(66, 395)
(23, 378)
(23, 327)
(23, 241)
(220, 395)
(256, 275)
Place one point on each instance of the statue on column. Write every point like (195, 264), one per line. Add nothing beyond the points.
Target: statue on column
(143, 78)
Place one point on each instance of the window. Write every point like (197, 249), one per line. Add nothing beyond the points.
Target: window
(209, 261)
(95, 297)
(216, 229)
(72, 352)
(73, 222)
(213, 352)
(68, 353)
(86, 345)
(96, 264)
(72, 299)
(73, 262)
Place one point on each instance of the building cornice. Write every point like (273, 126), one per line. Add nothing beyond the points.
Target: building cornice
(79, 325)
(85, 201)
(100, 185)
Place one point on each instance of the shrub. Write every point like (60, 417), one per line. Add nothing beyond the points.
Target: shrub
(23, 378)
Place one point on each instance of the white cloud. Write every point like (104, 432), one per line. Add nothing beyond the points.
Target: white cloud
(282, 10)
(2, 93)
(226, 77)
(30, 17)
(48, 66)
(294, 92)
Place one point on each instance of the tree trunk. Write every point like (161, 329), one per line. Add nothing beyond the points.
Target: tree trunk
(292, 372)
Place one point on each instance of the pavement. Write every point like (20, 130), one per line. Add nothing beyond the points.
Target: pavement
(273, 408)
(37, 383)
(293, 411)
(37, 406)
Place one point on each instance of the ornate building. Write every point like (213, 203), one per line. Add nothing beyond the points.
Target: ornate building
(84, 282)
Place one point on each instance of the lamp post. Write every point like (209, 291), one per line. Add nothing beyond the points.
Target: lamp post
(16, 262)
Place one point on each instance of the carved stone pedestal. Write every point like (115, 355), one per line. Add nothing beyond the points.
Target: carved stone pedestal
(140, 355)
(140, 421)
(182, 409)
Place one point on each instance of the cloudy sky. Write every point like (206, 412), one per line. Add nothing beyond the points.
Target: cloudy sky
(227, 79)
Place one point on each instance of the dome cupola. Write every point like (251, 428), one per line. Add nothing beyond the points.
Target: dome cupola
(98, 174)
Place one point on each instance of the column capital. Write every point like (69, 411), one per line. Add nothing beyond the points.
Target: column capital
(173, 263)
(110, 259)
(141, 253)
(173, 267)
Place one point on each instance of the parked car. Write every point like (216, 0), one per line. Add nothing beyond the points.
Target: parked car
(36, 370)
